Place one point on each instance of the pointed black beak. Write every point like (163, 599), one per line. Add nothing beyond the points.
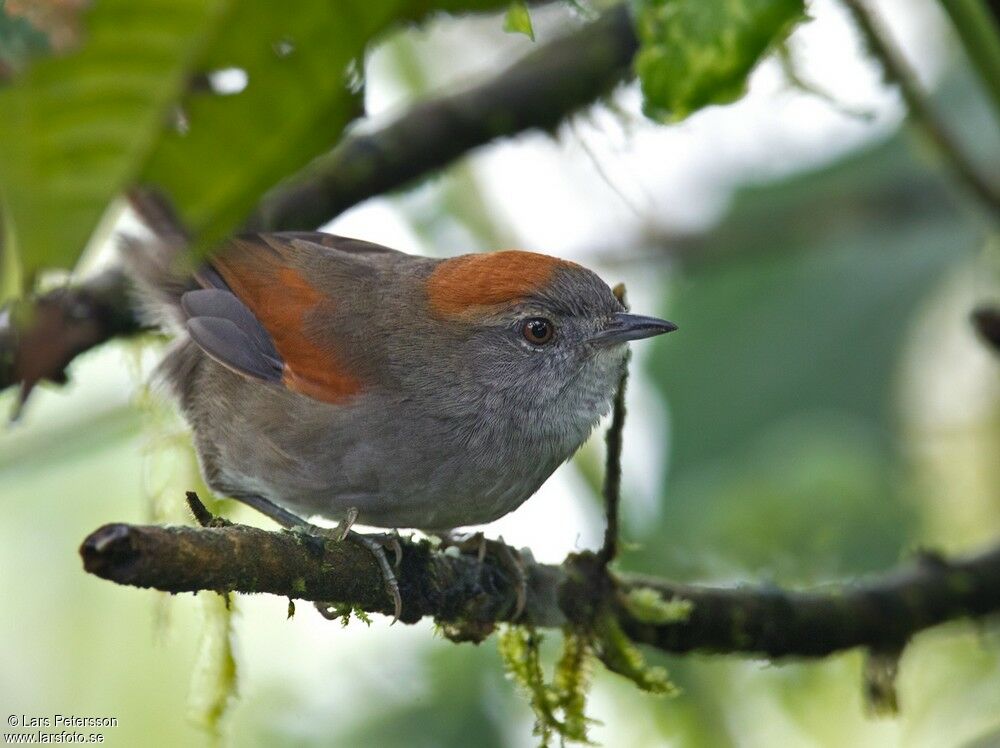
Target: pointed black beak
(624, 327)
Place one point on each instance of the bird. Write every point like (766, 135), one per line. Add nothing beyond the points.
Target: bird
(326, 376)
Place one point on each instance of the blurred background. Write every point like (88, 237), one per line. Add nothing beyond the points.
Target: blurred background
(824, 411)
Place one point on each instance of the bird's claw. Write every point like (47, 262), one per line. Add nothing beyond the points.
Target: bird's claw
(508, 558)
(376, 545)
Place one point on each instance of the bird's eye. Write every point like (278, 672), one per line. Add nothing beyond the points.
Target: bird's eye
(538, 330)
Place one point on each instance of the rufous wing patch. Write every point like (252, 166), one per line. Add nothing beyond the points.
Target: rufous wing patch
(281, 297)
(464, 285)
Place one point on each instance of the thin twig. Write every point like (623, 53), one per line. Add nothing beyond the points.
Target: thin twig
(613, 472)
(986, 320)
(898, 71)
(978, 27)
(612, 488)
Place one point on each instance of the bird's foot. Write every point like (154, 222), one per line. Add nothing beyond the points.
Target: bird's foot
(376, 544)
(508, 558)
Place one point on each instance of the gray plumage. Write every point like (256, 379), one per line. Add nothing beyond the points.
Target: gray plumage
(452, 420)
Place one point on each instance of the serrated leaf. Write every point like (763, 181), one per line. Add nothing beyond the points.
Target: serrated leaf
(699, 52)
(518, 20)
(75, 128)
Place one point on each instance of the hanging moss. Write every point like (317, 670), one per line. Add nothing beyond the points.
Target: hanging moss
(559, 706)
(880, 671)
(620, 655)
(571, 683)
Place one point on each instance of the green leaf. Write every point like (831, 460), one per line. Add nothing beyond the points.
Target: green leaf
(80, 129)
(76, 127)
(518, 20)
(294, 106)
(699, 52)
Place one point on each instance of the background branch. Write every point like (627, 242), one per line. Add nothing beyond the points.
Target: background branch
(898, 72)
(986, 320)
(978, 27)
(39, 338)
(881, 613)
(539, 91)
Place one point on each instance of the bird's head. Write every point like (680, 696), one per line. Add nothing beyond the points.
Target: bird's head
(535, 332)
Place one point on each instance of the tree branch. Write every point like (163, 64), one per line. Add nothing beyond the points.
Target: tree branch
(882, 613)
(898, 72)
(539, 91)
(986, 320)
(978, 27)
(38, 339)
(238, 558)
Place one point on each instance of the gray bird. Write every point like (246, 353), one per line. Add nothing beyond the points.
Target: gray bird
(326, 376)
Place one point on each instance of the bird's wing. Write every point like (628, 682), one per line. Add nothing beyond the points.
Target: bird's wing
(254, 312)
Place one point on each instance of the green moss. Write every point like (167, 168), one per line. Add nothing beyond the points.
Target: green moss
(559, 706)
(571, 683)
(649, 606)
(343, 611)
(880, 671)
(621, 656)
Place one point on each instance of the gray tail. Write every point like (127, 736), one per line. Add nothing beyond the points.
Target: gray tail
(161, 277)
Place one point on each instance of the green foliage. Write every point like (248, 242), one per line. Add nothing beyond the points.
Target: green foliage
(621, 656)
(781, 383)
(75, 128)
(79, 129)
(294, 106)
(559, 706)
(518, 20)
(699, 52)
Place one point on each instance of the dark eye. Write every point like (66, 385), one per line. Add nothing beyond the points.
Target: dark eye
(538, 330)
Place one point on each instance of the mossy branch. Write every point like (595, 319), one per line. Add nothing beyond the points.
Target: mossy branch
(881, 613)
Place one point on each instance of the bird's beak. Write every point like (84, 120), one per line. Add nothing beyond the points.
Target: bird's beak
(624, 327)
